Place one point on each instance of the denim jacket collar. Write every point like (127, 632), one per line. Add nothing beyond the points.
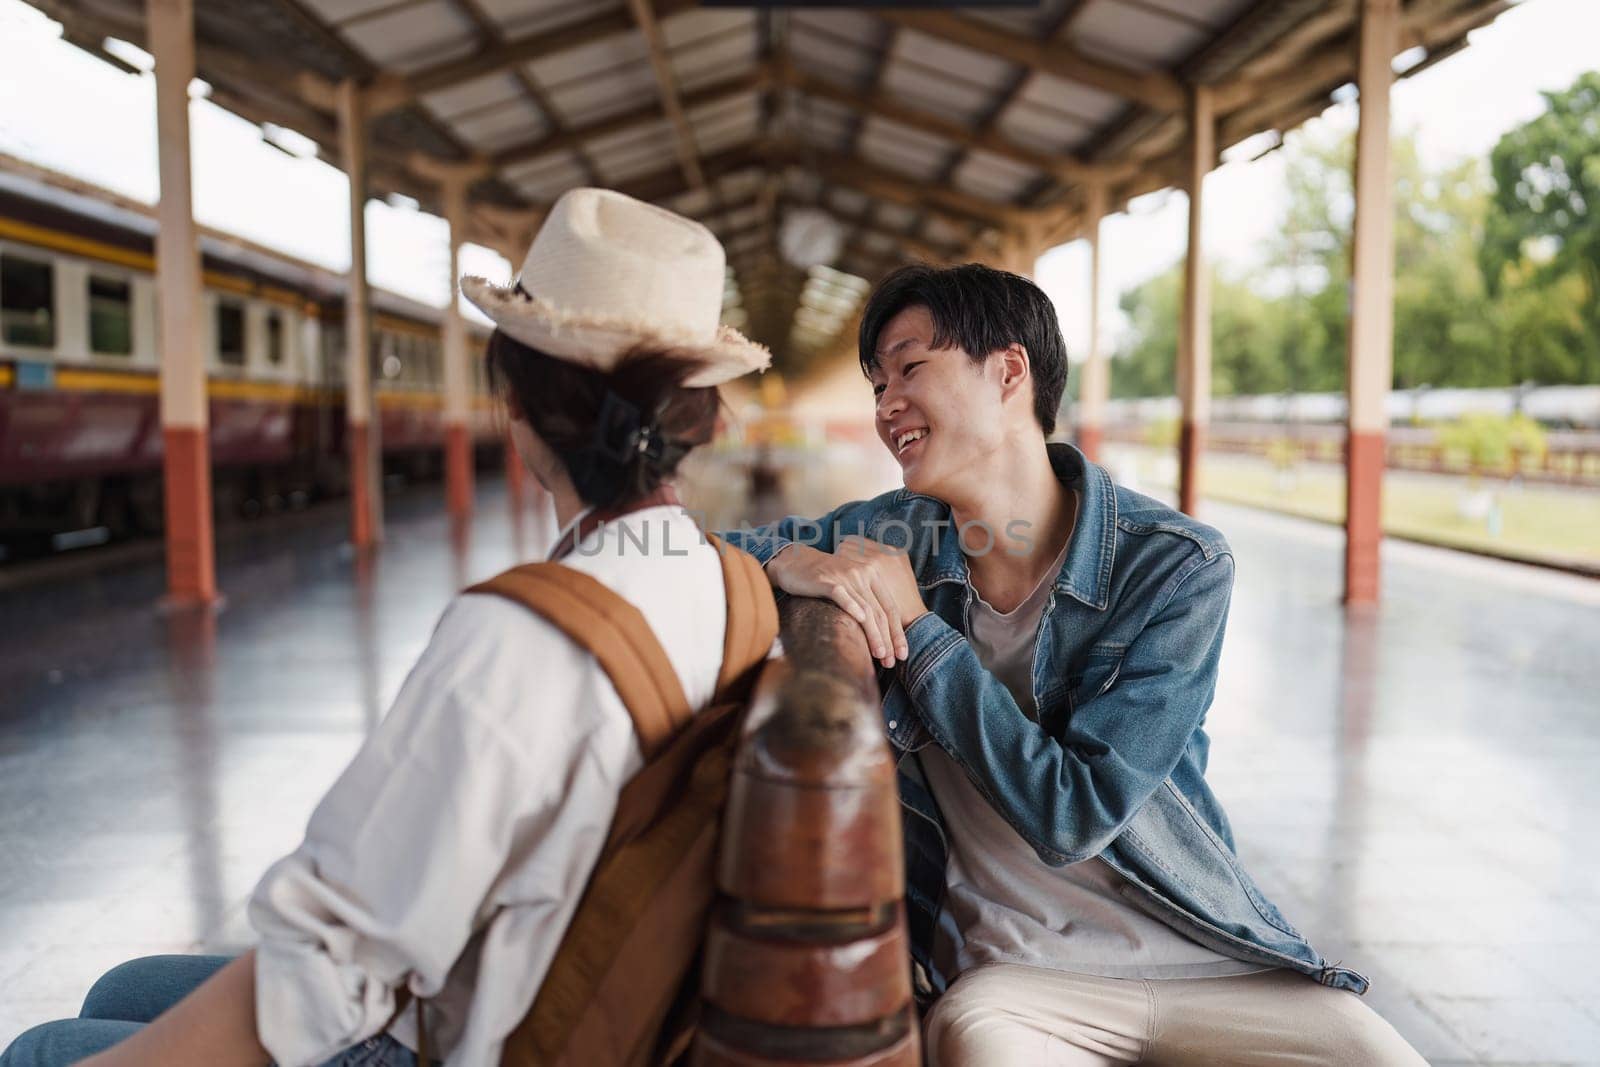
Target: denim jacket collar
(1086, 574)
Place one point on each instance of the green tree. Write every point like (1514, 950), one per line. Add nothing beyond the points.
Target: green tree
(1544, 225)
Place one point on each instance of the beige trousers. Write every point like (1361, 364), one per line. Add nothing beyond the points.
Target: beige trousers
(1008, 1015)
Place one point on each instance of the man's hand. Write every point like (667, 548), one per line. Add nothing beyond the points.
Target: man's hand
(872, 582)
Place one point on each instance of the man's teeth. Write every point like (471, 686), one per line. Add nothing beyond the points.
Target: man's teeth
(907, 437)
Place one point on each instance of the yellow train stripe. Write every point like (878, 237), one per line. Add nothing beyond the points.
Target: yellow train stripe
(422, 401)
(56, 241)
(81, 246)
(79, 380)
(100, 381)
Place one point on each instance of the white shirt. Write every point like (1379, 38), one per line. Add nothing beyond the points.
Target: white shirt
(450, 854)
(1009, 905)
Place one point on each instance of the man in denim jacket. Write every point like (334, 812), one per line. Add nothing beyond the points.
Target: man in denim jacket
(1049, 646)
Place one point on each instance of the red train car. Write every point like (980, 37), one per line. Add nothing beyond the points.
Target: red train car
(80, 432)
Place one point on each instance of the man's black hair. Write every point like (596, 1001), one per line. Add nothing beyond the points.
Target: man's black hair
(981, 310)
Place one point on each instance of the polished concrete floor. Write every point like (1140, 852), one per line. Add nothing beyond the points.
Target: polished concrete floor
(1417, 787)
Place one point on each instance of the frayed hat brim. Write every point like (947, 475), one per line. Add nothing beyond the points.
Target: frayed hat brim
(599, 342)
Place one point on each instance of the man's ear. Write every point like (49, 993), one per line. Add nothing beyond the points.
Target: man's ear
(1015, 369)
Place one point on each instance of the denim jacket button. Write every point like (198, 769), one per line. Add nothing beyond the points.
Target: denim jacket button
(893, 724)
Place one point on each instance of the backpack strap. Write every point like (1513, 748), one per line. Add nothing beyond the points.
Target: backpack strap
(752, 623)
(598, 619)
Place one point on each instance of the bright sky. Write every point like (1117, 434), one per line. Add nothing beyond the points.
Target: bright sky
(69, 111)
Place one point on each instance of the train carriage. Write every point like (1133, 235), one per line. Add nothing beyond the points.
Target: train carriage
(80, 429)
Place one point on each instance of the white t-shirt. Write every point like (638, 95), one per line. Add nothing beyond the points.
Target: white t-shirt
(1011, 906)
(450, 854)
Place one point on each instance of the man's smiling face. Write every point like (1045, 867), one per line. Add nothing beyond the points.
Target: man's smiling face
(936, 409)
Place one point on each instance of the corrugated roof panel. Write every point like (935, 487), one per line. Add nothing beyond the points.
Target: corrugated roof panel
(948, 97)
(583, 102)
(691, 202)
(714, 60)
(1042, 130)
(1070, 101)
(881, 130)
(959, 62)
(656, 138)
(624, 167)
(538, 169)
(552, 177)
(877, 243)
(940, 230)
(1042, 133)
(598, 61)
(741, 217)
(804, 183)
(413, 37)
(516, 122)
(729, 133)
(856, 25)
(696, 23)
(1137, 35)
(740, 183)
(851, 57)
(1028, 20)
(744, 106)
(521, 18)
(849, 203)
(896, 216)
(479, 94)
(823, 122)
(334, 12)
(994, 178)
(903, 160)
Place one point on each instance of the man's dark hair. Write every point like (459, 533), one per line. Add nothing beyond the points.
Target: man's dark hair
(981, 310)
(590, 419)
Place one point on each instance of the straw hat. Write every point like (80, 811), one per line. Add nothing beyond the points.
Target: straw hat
(606, 273)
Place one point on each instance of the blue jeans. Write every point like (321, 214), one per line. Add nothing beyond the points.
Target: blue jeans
(132, 994)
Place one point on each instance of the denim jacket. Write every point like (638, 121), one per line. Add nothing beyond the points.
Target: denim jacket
(1124, 669)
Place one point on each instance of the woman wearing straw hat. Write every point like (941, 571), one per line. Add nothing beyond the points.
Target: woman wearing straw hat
(449, 857)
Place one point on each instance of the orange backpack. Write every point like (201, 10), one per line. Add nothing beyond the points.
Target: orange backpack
(622, 987)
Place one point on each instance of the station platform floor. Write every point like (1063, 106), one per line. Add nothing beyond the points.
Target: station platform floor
(1415, 786)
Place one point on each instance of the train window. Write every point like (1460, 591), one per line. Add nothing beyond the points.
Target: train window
(27, 302)
(230, 333)
(274, 337)
(110, 316)
(430, 363)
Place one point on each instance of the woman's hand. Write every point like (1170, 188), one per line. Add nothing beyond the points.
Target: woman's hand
(872, 582)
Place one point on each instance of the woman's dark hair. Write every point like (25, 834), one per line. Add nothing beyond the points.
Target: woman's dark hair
(981, 310)
(621, 434)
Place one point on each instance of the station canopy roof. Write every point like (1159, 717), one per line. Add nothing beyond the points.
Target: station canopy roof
(862, 137)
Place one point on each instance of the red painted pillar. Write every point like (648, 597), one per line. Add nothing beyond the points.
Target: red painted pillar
(1194, 336)
(1090, 440)
(361, 432)
(1371, 360)
(186, 457)
(516, 474)
(458, 409)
